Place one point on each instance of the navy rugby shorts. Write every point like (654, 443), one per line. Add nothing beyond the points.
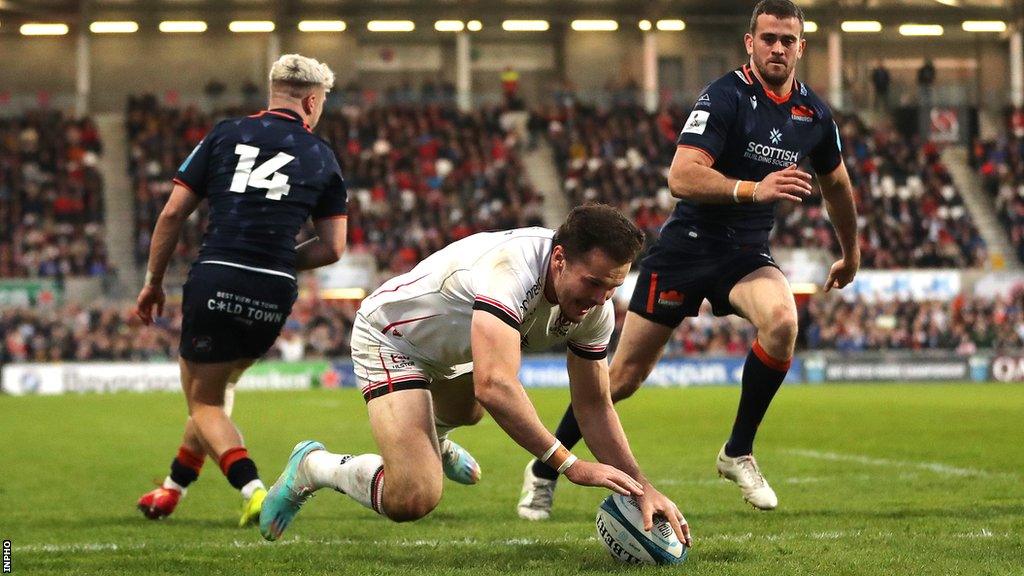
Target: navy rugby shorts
(231, 314)
(676, 279)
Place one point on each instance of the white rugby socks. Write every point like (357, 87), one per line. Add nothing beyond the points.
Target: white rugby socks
(360, 477)
(442, 428)
(251, 487)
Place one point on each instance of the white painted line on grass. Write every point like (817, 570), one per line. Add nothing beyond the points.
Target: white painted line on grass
(936, 467)
(717, 481)
(982, 533)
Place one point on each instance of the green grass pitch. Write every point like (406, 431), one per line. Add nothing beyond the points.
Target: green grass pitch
(881, 479)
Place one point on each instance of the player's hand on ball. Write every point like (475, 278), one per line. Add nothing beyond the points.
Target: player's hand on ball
(841, 273)
(597, 474)
(790, 183)
(151, 296)
(654, 503)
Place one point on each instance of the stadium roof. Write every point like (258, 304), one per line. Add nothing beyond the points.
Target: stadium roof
(820, 10)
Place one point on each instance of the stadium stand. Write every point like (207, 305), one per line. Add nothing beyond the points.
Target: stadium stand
(1000, 164)
(159, 139)
(51, 197)
(911, 213)
(77, 332)
(320, 329)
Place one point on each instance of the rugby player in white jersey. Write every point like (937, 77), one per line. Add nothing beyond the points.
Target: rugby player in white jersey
(435, 347)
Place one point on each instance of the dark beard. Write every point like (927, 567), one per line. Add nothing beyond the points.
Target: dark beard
(771, 77)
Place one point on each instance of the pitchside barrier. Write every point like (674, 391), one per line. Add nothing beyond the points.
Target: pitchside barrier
(536, 372)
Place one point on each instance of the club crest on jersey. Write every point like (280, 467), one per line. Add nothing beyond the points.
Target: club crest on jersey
(802, 114)
(775, 136)
(561, 325)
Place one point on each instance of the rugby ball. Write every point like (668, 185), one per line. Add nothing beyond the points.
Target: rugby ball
(620, 527)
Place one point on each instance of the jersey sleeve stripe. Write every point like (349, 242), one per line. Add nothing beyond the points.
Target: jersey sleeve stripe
(699, 149)
(501, 305)
(496, 311)
(184, 184)
(587, 353)
(593, 347)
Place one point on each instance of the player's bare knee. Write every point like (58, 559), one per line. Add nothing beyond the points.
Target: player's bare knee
(780, 333)
(412, 505)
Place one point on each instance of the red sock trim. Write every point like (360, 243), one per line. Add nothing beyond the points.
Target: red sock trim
(767, 360)
(377, 491)
(231, 456)
(190, 459)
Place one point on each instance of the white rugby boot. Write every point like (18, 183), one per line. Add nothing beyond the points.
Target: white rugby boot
(746, 474)
(537, 496)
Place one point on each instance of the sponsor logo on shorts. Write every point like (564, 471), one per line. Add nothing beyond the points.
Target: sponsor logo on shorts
(245, 308)
(202, 343)
(400, 361)
(671, 299)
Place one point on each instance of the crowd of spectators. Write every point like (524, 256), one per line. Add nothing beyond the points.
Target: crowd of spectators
(618, 156)
(832, 323)
(159, 139)
(910, 212)
(51, 197)
(419, 176)
(109, 331)
(319, 329)
(1000, 164)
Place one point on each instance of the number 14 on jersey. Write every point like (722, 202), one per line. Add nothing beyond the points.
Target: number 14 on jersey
(265, 176)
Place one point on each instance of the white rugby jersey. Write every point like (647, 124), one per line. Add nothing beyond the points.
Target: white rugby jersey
(426, 312)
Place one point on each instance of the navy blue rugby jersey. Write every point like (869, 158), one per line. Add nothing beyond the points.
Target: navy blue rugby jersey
(749, 132)
(264, 175)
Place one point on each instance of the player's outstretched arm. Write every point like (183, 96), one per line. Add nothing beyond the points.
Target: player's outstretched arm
(179, 207)
(326, 248)
(837, 192)
(496, 360)
(691, 177)
(602, 430)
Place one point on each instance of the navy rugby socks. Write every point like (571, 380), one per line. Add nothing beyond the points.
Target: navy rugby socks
(762, 377)
(238, 467)
(185, 467)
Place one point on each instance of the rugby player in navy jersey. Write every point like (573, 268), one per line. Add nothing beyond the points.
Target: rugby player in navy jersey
(737, 156)
(263, 176)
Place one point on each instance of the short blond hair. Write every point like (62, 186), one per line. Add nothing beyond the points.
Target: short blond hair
(298, 74)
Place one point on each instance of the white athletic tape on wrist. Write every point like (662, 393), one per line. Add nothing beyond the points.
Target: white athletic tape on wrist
(568, 462)
(547, 455)
(744, 190)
